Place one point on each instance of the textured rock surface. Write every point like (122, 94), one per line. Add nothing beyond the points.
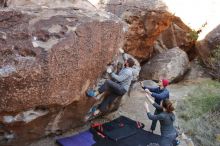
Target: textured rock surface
(51, 3)
(146, 20)
(118, 7)
(196, 71)
(211, 41)
(209, 52)
(170, 65)
(177, 35)
(3, 3)
(152, 29)
(49, 57)
(143, 31)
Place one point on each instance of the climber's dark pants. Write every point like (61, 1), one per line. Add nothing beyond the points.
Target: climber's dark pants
(154, 122)
(115, 90)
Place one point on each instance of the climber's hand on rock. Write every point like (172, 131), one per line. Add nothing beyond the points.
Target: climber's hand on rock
(109, 70)
(121, 50)
(148, 91)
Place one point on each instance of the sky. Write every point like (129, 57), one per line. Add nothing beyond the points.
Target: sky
(195, 13)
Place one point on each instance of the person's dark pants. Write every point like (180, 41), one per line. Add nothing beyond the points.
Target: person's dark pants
(114, 89)
(154, 122)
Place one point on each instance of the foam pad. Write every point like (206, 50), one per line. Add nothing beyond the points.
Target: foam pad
(120, 133)
(82, 139)
(141, 138)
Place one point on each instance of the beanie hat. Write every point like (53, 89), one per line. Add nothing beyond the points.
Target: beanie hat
(165, 82)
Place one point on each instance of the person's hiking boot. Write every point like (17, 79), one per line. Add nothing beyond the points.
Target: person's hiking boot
(90, 115)
(92, 93)
(176, 142)
(96, 112)
(92, 109)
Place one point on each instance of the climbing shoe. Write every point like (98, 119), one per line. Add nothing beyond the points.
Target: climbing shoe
(91, 93)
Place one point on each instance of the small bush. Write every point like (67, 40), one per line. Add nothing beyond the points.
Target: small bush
(194, 35)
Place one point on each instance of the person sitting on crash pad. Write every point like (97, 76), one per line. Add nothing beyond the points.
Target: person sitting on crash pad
(166, 117)
(116, 87)
(158, 93)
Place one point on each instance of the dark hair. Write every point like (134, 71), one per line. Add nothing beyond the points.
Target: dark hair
(130, 62)
(167, 104)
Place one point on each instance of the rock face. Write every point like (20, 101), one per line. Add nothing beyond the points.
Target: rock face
(177, 35)
(118, 7)
(51, 51)
(209, 52)
(49, 57)
(146, 20)
(51, 3)
(211, 41)
(170, 65)
(3, 3)
(143, 31)
(152, 29)
(196, 71)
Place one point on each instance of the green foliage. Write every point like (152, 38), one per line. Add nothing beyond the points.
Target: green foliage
(194, 35)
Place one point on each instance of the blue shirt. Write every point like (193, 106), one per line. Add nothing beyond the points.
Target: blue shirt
(158, 94)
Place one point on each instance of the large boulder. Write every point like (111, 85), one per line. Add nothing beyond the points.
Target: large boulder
(171, 65)
(177, 35)
(144, 29)
(50, 3)
(3, 3)
(48, 59)
(147, 19)
(209, 52)
(152, 29)
(118, 7)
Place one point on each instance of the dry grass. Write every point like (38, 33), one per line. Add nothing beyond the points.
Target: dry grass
(199, 114)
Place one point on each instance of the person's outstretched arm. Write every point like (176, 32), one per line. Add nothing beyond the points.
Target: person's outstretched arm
(157, 106)
(151, 116)
(155, 117)
(152, 89)
(124, 55)
(161, 95)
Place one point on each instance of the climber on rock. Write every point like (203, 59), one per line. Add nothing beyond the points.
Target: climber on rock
(116, 87)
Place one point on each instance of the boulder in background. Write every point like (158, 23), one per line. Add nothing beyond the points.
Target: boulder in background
(171, 65)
